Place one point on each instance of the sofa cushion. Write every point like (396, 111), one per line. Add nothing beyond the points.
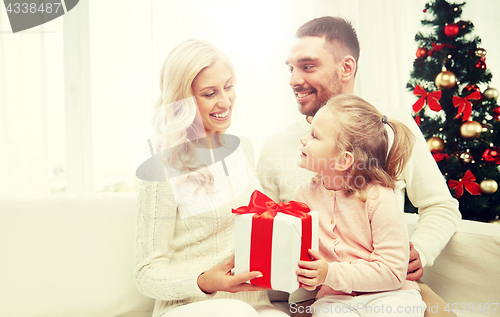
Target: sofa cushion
(467, 272)
(67, 255)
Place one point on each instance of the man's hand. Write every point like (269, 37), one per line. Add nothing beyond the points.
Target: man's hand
(219, 278)
(415, 269)
(313, 273)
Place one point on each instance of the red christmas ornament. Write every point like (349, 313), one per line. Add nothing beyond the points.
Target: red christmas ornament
(451, 29)
(425, 10)
(417, 119)
(496, 113)
(422, 52)
(492, 155)
(471, 88)
(481, 64)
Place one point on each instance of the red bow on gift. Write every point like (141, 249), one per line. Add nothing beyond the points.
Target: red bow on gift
(432, 99)
(264, 206)
(265, 210)
(464, 105)
(468, 182)
(438, 47)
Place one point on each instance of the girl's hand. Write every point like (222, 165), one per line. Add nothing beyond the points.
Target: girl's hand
(219, 278)
(312, 273)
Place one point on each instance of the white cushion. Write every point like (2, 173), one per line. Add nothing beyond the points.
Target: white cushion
(468, 269)
(69, 256)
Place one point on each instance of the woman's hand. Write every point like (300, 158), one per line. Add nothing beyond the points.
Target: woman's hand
(312, 273)
(219, 278)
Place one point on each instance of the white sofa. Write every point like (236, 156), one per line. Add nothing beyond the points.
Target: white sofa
(72, 256)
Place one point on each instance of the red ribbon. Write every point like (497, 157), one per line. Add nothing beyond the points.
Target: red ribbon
(265, 210)
(438, 47)
(464, 105)
(440, 156)
(468, 182)
(432, 99)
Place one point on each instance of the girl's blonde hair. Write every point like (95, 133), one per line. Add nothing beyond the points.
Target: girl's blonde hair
(361, 130)
(174, 124)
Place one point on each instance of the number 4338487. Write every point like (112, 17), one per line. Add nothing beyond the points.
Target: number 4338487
(33, 7)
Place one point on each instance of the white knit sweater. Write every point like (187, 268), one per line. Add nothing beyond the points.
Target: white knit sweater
(172, 252)
(439, 217)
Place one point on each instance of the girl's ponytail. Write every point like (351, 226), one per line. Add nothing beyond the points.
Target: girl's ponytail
(399, 152)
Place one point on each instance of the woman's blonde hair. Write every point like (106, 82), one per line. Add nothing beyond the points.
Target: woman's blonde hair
(361, 130)
(174, 124)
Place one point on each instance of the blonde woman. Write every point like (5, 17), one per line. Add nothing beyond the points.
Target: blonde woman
(185, 228)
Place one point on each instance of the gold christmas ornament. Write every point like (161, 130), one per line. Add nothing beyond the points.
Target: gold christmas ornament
(490, 94)
(466, 157)
(435, 144)
(486, 127)
(445, 80)
(471, 130)
(481, 52)
(488, 186)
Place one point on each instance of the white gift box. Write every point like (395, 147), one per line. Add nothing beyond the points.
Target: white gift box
(286, 246)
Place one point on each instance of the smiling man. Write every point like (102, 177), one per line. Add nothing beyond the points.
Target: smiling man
(315, 66)
(323, 63)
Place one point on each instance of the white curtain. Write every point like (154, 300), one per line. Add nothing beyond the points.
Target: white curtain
(127, 41)
(24, 109)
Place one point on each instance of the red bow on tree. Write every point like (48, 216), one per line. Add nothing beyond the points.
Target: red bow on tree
(440, 156)
(432, 99)
(464, 105)
(468, 182)
(438, 47)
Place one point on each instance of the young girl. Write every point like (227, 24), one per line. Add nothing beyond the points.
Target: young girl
(363, 250)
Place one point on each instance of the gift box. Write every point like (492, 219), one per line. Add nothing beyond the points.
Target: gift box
(271, 238)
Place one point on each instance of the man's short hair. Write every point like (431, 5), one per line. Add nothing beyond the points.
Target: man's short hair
(337, 31)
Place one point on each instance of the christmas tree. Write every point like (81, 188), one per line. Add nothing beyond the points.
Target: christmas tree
(456, 110)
